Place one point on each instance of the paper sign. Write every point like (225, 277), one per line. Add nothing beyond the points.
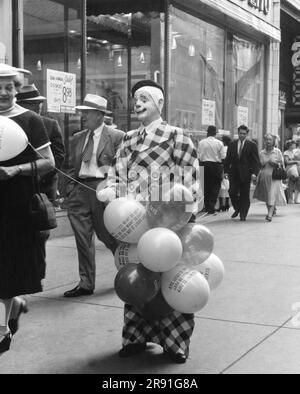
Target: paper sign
(242, 116)
(61, 92)
(208, 112)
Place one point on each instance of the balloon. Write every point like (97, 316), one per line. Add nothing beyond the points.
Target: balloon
(213, 271)
(125, 219)
(159, 249)
(185, 289)
(126, 254)
(156, 309)
(13, 139)
(197, 242)
(174, 211)
(136, 285)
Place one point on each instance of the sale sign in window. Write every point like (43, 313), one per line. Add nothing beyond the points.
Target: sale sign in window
(61, 92)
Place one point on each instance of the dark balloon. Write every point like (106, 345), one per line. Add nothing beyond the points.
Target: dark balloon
(156, 309)
(136, 285)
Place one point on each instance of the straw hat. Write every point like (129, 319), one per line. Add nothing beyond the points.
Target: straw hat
(94, 102)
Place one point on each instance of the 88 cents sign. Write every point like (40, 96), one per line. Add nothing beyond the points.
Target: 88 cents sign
(61, 92)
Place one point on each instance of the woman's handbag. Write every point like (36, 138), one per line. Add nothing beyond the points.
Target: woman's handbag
(42, 212)
(279, 173)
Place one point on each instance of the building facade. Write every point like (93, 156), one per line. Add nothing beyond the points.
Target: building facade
(290, 70)
(218, 60)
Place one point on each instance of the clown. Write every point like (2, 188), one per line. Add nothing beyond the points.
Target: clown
(155, 145)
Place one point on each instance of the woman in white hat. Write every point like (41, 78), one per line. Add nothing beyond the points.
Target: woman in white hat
(21, 260)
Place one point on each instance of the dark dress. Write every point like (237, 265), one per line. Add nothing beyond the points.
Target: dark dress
(21, 260)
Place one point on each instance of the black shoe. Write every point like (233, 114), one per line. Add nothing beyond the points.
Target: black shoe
(5, 343)
(78, 292)
(132, 349)
(235, 214)
(177, 358)
(13, 324)
(242, 219)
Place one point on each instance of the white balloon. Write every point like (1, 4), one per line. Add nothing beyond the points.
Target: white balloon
(105, 194)
(198, 243)
(125, 219)
(13, 139)
(213, 270)
(159, 249)
(126, 254)
(185, 289)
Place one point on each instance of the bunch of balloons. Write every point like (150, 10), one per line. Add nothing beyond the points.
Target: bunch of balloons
(161, 269)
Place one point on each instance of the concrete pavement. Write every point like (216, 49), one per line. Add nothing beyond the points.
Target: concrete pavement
(245, 328)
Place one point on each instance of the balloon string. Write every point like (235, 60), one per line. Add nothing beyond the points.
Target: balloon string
(61, 172)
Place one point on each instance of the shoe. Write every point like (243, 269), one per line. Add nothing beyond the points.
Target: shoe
(132, 349)
(177, 358)
(5, 343)
(78, 292)
(13, 324)
(235, 214)
(268, 218)
(242, 219)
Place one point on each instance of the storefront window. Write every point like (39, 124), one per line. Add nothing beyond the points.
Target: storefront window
(122, 49)
(196, 72)
(215, 78)
(248, 65)
(52, 40)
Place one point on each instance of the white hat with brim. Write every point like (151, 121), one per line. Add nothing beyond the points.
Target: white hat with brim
(8, 71)
(94, 102)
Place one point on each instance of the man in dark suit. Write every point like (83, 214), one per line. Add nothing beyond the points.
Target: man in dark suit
(242, 165)
(92, 152)
(30, 98)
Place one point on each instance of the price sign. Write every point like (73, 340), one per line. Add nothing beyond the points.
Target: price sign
(61, 92)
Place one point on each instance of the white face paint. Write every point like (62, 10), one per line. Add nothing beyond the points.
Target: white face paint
(146, 108)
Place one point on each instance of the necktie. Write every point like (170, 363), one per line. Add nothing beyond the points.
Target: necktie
(89, 148)
(141, 137)
(240, 150)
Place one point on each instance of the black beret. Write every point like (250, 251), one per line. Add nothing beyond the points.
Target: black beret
(146, 82)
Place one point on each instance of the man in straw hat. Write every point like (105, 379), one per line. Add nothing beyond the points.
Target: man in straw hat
(154, 144)
(92, 152)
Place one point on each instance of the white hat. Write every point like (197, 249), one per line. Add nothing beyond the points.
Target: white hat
(8, 71)
(29, 93)
(92, 101)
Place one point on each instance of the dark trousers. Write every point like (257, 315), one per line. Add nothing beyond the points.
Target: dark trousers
(239, 192)
(86, 217)
(213, 173)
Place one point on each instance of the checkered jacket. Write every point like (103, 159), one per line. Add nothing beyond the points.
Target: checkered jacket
(142, 162)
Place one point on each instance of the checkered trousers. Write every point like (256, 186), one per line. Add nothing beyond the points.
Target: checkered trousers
(173, 333)
(165, 151)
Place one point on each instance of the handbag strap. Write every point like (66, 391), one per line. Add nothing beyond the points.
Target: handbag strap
(34, 173)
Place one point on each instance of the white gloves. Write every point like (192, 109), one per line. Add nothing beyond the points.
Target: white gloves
(106, 195)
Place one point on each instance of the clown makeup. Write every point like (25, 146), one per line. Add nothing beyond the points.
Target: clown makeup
(146, 108)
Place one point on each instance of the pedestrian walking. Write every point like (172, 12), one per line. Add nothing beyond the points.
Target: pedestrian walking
(267, 189)
(224, 199)
(21, 260)
(212, 155)
(242, 166)
(159, 145)
(292, 170)
(92, 152)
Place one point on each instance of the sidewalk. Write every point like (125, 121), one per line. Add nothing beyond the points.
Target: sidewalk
(245, 328)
